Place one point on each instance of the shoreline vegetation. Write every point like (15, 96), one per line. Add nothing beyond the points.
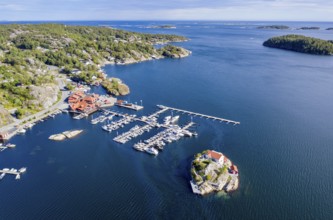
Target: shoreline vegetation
(162, 26)
(277, 27)
(36, 59)
(302, 44)
(285, 27)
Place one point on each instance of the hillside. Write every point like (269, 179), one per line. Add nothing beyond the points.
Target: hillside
(31, 57)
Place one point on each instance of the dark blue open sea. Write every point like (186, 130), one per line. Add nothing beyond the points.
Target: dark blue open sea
(283, 146)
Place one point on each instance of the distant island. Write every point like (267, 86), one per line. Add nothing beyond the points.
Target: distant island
(212, 171)
(35, 60)
(279, 27)
(302, 44)
(163, 26)
(309, 28)
(329, 29)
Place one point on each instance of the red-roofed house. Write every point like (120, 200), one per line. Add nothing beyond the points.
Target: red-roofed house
(80, 102)
(215, 156)
(234, 168)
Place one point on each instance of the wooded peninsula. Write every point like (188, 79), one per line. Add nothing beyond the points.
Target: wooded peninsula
(33, 57)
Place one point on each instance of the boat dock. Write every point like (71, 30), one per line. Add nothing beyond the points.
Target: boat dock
(128, 105)
(115, 125)
(132, 133)
(156, 114)
(170, 134)
(4, 147)
(12, 171)
(199, 114)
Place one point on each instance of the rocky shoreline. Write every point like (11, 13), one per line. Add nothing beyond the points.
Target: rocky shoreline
(212, 171)
(40, 68)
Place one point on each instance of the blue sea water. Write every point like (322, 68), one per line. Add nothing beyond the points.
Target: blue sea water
(283, 146)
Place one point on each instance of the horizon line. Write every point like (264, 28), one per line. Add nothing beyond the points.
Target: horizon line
(171, 20)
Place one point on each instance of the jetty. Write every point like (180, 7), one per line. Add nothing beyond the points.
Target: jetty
(12, 171)
(4, 147)
(80, 116)
(162, 107)
(128, 105)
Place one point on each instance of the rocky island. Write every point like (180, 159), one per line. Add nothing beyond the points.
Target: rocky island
(163, 26)
(277, 27)
(35, 61)
(309, 28)
(302, 44)
(65, 134)
(212, 171)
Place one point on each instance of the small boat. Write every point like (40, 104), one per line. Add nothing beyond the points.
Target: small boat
(21, 131)
(2, 175)
(18, 177)
(29, 125)
(152, 151)
(167, 120)
(10, 145)
(23, 169)
(174, 119)
(137, 147)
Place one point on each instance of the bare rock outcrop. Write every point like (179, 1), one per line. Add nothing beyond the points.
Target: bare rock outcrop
(44, 96)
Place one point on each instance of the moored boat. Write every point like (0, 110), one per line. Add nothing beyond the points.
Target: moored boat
(21, 131)
(152, 151)
(10, 145)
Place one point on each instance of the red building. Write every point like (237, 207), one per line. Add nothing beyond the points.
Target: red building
(83, 103)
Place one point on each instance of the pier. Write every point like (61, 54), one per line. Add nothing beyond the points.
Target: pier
(170, 134)
(128, 105)
(4, 147)
(199, 114)
(12, 171)
(158, 113)
(132, 133)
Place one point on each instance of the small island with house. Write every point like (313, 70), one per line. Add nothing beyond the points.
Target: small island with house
(212, 171)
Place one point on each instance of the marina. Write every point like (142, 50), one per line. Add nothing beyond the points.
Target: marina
(172, 132)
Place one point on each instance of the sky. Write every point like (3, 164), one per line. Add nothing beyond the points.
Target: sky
(245, 10)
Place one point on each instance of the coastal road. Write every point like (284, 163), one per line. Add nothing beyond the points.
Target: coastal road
(41, 114)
